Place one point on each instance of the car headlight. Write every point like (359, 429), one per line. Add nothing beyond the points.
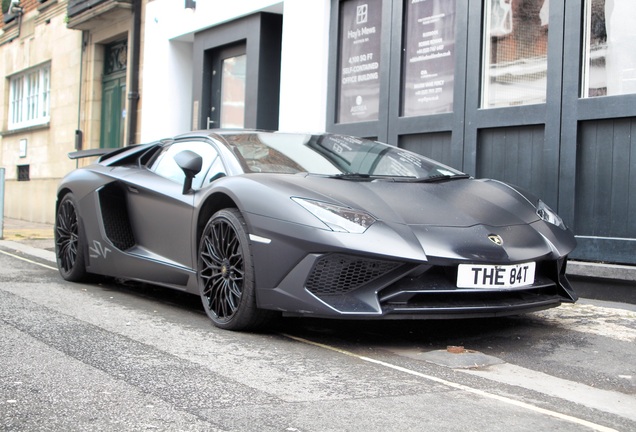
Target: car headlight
(338, 218)
(549, 215)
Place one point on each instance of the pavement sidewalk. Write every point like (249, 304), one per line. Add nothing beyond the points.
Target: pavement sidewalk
(37, 235)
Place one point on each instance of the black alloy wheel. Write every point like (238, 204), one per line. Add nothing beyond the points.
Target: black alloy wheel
(226, 273)
(69, 244)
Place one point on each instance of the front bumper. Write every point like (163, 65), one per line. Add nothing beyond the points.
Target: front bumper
(347, 286)
(387, 274)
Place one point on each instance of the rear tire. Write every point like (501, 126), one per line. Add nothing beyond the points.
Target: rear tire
(226, 274)
(70, 244)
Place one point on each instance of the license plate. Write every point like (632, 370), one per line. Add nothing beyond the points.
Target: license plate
(495, 276)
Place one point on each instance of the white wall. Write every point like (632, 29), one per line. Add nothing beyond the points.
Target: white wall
(167, 78)
(210, 13)
(305, 50)
(168, 58)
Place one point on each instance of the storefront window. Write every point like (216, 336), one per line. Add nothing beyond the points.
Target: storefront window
(515, 52)
(359, 60)
(428, 62)
(610, 59)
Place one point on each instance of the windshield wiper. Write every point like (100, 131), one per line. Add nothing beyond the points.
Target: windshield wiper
(351, 176)
(439, 178)
(373, 177)
(369, 177)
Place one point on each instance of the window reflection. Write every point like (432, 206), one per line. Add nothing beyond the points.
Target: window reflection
(515, 52)
(331, 155)
(610, 58)
(233, 92)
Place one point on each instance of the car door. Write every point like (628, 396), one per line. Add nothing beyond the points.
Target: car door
(161, 214)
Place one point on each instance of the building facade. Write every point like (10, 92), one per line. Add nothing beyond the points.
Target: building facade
(537, 93)
(40, 69)
(68, 83)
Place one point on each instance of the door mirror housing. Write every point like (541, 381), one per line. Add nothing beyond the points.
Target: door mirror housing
(190, 163)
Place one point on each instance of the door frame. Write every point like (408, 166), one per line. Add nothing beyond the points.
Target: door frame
(262, 35)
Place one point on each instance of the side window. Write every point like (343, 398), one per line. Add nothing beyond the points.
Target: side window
(165, 165)
(215, 172)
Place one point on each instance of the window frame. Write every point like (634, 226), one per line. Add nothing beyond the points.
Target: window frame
(30, 98)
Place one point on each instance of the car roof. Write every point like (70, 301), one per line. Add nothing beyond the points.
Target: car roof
(221, 132)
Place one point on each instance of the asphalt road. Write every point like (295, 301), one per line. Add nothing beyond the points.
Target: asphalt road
(112, 357)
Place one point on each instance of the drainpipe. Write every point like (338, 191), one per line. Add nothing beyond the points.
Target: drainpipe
(79, 135)
(133, 94)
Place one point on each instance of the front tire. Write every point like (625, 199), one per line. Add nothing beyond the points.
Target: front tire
(226, 274)
(70, 244)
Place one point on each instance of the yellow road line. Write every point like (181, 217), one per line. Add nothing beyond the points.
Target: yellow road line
(28, 260)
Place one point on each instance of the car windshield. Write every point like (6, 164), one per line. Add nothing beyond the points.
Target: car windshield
(339, 156)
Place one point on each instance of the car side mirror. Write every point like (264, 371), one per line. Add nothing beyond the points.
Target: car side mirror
(190, 163)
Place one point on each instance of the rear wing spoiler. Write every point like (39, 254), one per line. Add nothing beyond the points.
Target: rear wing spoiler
(90, 153)
(104, 153)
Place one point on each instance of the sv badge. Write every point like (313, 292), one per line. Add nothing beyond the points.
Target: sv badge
(98, 251)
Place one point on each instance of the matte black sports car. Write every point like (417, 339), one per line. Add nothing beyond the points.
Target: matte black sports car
(264, 223)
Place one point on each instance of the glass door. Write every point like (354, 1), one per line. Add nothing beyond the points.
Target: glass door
(227, 107)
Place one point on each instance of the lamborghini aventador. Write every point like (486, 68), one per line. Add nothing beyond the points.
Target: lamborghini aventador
(263, 224)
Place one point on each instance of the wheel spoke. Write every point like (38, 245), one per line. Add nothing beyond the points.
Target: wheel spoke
(221, 269)
(67, 231)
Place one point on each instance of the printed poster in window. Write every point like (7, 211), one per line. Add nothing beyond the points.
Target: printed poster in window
(359, 61)
(429, 57)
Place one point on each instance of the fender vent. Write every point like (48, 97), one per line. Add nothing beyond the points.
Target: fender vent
(115, 217)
